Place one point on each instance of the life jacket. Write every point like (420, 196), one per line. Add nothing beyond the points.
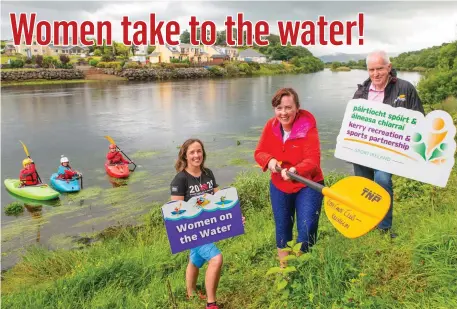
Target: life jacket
(69, 173)
(29, 176)
(116, 157)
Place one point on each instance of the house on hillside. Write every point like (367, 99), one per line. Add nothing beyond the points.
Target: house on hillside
(251, 55)
(223, 52)
(47, 50)
(9, 50)
(182, 52)
(53, 50)
(216, 55)
(232, 52)
(195, 54)
(164, 53)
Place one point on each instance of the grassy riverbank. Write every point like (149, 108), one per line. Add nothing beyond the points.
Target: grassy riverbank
(133, 267)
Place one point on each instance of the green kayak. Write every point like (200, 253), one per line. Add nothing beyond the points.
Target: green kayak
(41, 192)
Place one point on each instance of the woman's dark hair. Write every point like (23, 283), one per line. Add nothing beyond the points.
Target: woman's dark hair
(181, 163)
(285, 92)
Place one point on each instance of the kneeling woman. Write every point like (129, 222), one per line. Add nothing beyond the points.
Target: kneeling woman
(292, 138)
(194, 179)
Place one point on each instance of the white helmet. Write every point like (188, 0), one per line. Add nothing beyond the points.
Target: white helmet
(64, 159)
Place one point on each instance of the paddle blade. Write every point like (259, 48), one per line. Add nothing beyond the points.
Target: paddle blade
(110, 139)
(355, 205)
(25, 149)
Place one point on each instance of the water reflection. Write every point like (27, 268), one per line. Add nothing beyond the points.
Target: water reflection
(36, 213)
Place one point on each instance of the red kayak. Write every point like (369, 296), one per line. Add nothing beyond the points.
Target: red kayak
(120, 170)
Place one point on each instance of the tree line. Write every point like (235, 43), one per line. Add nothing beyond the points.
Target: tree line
(440, 81)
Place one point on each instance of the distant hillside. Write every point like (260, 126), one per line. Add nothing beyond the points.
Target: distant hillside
(341, 57)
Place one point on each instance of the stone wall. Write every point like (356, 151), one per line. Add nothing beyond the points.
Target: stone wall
(160, 74)
(18, 75)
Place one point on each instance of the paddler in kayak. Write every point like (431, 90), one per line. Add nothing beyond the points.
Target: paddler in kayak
(115, 157)
(28, 175)
(65, 171)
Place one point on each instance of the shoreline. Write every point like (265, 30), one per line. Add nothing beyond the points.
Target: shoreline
(92, 74)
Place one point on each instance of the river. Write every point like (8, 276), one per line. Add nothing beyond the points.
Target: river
(148, 120)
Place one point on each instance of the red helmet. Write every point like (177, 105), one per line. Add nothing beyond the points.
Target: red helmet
(112, 146)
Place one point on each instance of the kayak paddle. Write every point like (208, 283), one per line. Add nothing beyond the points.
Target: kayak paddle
(112, 142)
(354, 205)
(27, 153)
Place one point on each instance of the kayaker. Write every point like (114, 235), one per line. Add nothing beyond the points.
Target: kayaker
(115, 157)
(194, 179)
(28, 175)
(65, 171)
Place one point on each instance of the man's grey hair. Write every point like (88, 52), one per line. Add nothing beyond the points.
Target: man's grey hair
(378, 53)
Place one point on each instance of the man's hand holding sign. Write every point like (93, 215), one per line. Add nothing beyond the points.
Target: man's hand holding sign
(384, 132)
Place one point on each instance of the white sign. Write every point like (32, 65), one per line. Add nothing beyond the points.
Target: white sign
(398, 141)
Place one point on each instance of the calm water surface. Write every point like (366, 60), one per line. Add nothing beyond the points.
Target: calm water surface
(148, 121)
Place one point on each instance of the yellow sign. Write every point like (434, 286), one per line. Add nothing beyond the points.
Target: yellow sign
(355, 205)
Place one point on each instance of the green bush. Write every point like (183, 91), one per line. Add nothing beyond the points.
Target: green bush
(437, 85)
(14, 209)
(16, 64)
(109, 65)
(175, 65)
(254, 65)
(93, 62)
(64, 66)
(245, 68)
(217, 70)
(232, 69)
(131, 65)
(107, 58)
(50, 62)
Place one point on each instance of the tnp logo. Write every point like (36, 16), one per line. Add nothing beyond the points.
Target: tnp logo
(370, 195)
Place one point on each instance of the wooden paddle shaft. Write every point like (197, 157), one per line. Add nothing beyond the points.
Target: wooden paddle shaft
(313, 185)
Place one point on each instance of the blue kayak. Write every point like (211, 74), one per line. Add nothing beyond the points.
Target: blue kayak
(65, 185)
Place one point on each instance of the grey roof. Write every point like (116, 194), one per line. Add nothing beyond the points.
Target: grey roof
(67, 47)
(173, 49)
(219, 56)
(154, 54)
(185, 45)
(250, 53)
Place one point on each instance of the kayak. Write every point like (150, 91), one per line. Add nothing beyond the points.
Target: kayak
(33, 203)
(41, 192)
(117, 170)
(65, 185)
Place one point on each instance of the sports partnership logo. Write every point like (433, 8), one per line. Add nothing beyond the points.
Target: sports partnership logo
(432, 145)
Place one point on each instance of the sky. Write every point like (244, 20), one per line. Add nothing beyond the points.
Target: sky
(392, 26)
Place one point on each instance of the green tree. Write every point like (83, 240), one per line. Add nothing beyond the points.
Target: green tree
(221, 38)
(440, 82)
(185, 37)
(151, 49)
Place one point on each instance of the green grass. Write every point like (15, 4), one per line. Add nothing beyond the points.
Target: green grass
(4, 58)
(341, 69)
(132, 266)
